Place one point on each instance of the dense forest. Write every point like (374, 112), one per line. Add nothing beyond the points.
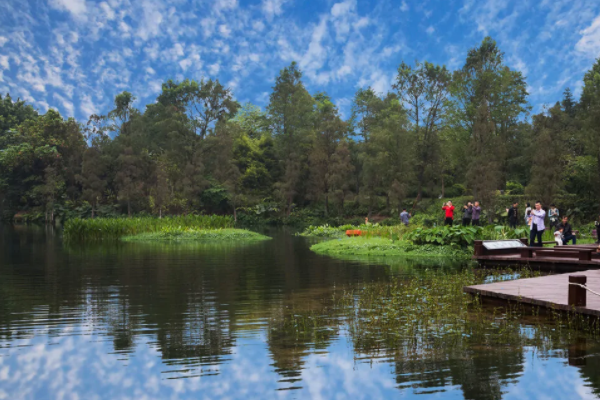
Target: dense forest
(196, 149)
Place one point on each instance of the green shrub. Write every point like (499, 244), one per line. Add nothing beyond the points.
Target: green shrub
(114, 228)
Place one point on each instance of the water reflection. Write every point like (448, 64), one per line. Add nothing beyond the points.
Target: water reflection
(240, 321)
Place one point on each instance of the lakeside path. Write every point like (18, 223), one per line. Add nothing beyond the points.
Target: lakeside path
(546, 291)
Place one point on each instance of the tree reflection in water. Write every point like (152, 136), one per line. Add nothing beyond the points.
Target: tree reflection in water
(194, 304)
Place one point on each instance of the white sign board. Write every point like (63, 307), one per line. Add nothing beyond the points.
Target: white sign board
(502, 244)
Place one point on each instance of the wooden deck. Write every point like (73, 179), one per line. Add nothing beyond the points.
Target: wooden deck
(559, 258)
(546, 291)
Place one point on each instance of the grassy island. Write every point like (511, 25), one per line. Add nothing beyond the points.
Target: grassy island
(177, 228)
(379, 246)
(189, 234)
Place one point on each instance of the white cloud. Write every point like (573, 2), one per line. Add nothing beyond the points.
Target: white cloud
(272, 8)
(208, 26)
(430, 30)
(590, 39)
(77, 8)
(4, 62)
(224, 30)
(361, 23)
(213, 69)
(258, 26)
(108, 11)
(3, 41)
(67, 105)
(221, 5)
(87, 105)
(404, 6)
(152, 18)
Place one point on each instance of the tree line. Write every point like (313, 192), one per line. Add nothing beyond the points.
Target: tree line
(196, 149)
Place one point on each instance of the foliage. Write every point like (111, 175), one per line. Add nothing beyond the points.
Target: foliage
(455, 133)
(114, 228)
(379, 246)
(445, 236)
(171, 233)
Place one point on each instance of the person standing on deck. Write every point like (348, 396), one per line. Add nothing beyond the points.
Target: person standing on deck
(537, 224)
(553, 214)
(527, 211)
(404, 217)
(597, 226)
(512, 215)
(476, 214)
(449, 209)
(467, 214)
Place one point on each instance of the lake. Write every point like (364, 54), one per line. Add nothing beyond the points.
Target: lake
(210, 321)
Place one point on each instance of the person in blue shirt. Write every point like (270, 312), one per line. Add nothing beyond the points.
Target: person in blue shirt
(404, 217)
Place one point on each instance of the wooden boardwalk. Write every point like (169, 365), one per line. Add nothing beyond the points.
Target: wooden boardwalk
(559, 258)
(546, 291)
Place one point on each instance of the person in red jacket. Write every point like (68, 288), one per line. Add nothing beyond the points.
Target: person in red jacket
(449, 209)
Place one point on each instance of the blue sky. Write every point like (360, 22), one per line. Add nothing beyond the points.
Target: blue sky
(75, 55)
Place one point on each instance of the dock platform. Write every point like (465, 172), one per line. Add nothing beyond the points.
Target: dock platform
(551, 291)
(518, 253)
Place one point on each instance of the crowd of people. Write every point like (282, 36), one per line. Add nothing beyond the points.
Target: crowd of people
(534, 218)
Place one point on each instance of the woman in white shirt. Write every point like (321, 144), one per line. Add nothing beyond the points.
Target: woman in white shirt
(537, 224)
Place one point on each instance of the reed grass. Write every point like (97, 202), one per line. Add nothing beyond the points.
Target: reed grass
(379, 246)
(115, 228)
(190, 234)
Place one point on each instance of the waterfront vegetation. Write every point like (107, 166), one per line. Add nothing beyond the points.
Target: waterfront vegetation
(399, 240)
(195, 149)
(378, 246)
(429, 317)
(115, 228)
(191, 234)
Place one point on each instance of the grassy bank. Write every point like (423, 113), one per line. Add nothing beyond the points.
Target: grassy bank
(378, 246)
(115, 228)
(190, 234)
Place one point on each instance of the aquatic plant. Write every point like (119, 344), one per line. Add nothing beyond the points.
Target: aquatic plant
(380, 246)
(189, 234)
(114, 228)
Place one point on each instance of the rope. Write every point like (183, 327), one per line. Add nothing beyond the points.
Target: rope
(585, 287)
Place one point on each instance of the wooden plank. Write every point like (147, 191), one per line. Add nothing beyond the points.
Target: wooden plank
(547, 291)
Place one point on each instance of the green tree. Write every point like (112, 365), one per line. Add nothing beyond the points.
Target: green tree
(548, 155)
(424, 91)
(205, 103)
(290, 112)
(329, 131)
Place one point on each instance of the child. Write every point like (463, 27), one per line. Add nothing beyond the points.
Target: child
(558, 237)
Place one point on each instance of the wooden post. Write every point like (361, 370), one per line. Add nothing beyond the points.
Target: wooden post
(585, 255)
(479, 247)
(577, 293)
(526, 252)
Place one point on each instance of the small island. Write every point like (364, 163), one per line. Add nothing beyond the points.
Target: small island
(190, 234)
(176, 228)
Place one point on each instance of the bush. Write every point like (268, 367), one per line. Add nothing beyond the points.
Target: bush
(114, 228)
(515, 188)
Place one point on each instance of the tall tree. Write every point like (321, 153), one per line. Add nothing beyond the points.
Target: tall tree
(329, 131)
(205, 103)
(423, 89)
(127, 178)
(548, 155)
(590, 109)
(393, 146)
(486, 85)
(290, 111)
(91, 177)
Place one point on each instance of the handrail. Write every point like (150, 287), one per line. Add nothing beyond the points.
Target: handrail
(585, 287)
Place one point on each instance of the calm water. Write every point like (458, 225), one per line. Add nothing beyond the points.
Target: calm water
(208, 321)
